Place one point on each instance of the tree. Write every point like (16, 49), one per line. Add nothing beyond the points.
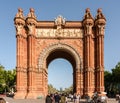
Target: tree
(10, 79)
(2, 81)
(69, 90)
(108, 81)
(112, 80)
(7, 79)
(116, 78)
(51, 89)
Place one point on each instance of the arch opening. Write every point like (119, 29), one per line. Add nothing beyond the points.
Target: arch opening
(61, 53)
(60, 74)
(58, 53)
(64, 51)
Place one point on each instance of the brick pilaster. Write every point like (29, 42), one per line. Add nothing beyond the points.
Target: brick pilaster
(31, 37)
(100, 26)
(88, 23)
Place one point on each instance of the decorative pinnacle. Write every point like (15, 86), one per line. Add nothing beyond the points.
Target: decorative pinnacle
(32, 10)
(88, 10)
(99, 10)
(88, 14)
(20, 13)
(31, 13)
(20, 10)
(100, 14)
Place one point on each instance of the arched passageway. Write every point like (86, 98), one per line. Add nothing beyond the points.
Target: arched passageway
(60, 74)
(62, 51)
(66, 55)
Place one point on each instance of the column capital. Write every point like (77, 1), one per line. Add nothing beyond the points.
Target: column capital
(31, 22)
(31, 18)
(19, 22)
(100, 18)
(88, 19)
(88, 22)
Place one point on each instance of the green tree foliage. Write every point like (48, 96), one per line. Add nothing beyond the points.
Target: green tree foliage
(7, 79)
(69, 90)
(112, 81)
(1, 74)
(116, 73)
(2, 81)
(108, 80)
(51, 89)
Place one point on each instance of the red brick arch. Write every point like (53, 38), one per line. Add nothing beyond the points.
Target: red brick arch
(40, 42)
(58, 46)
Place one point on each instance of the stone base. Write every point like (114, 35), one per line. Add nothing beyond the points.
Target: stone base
(20, 95)
(31, 95)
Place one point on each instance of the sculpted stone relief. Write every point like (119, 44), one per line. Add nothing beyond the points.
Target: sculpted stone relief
(69, 33)
(101, 29)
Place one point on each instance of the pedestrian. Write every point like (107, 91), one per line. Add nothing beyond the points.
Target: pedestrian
(71, 97)
(52, 97)
(118, 98)
(62, 99)
(48, 99)
(78, 98)
(57, 98)
(74, 98)
(66, 99)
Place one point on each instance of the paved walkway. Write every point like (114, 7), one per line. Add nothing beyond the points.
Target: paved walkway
(11, 100)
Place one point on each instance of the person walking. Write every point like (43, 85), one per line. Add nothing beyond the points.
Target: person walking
(57, 98)
(48, 99)
(52, 97)
(78, 98)
(66, 99)
(118, 98)
(74, 98)
(63, 98)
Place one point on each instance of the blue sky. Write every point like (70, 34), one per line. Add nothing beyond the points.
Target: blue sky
(71, 10)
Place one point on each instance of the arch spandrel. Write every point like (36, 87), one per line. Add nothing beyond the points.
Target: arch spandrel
(58, 46)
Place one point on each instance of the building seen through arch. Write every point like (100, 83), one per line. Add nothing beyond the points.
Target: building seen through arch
(39, 42)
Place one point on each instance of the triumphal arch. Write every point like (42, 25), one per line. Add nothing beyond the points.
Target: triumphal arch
(40, 42)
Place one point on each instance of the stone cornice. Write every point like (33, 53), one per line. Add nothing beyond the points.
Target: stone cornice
(21, 36)
(21, 69)
(51, 24)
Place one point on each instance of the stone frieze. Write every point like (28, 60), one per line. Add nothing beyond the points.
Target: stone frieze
(66, 33)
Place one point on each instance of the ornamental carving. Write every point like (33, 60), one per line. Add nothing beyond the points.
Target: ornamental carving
(19, 29)
(59, 21)
(89, 28)
(66, 33)
(101, 29)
